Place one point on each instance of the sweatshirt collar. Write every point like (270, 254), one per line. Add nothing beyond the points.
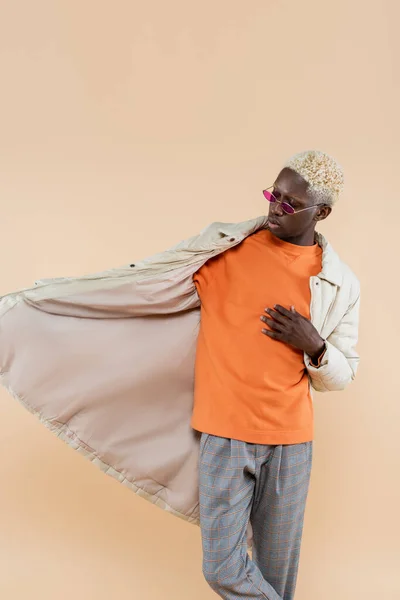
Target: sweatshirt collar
(331, 265)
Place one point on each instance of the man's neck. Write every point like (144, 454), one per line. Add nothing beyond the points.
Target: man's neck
(306, 239)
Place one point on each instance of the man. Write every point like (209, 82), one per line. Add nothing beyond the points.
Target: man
(253, 404)
(113, 362)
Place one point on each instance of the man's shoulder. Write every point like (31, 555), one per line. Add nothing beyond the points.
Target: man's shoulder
(348, 276)
(351, 279)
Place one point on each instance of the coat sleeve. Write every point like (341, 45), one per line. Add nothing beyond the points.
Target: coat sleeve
(339, 364)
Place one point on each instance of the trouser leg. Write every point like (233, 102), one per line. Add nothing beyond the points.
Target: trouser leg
(227, 479)
(282, 481)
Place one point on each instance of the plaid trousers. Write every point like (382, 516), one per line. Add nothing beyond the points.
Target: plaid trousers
(266, 486)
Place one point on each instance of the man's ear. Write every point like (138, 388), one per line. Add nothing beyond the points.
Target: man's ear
(323, 213)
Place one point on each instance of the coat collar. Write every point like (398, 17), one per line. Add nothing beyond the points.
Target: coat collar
(331, 271)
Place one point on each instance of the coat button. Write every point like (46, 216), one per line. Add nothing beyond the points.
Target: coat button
(231, 239)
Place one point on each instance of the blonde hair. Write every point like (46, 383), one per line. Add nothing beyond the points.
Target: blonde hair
(322, 173)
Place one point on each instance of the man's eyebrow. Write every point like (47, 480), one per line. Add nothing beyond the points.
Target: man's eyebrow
(290, 195)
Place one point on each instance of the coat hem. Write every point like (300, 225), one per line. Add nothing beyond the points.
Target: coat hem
(64, 433)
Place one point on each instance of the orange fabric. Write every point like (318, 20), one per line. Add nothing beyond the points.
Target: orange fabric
(248, 386)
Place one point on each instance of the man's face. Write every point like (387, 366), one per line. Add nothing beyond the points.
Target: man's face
(291, 188)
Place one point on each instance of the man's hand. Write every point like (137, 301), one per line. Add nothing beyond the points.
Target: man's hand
(290, 327)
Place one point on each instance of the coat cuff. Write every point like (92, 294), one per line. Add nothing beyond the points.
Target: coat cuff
(318, 363)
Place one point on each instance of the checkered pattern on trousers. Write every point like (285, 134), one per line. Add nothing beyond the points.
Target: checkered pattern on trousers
(267, 485)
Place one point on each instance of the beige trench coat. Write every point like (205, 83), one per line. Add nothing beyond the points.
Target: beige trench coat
(106, 361)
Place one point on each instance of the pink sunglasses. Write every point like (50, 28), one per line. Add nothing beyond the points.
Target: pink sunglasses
(286, 207)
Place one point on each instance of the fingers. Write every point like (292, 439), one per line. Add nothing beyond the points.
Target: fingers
(276, 316)
(276, 335)
(283, 311)
(281, 322)
(274, 325)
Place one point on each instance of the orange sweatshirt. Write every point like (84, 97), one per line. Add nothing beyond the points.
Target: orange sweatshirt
(248, 386)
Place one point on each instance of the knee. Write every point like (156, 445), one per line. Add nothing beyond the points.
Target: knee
(210, 574)
(218, 578)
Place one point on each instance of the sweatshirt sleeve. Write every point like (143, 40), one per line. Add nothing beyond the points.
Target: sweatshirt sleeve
(339, 363)
(204, 276)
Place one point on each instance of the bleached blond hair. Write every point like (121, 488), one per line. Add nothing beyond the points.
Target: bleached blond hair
(322, 173)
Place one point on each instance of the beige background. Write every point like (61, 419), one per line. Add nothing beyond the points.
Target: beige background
(128, 126)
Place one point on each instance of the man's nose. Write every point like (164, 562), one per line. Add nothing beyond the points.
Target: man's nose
(277, 209)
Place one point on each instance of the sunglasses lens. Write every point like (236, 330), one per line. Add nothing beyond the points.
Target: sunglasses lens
(287, 208)
(268, 196)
